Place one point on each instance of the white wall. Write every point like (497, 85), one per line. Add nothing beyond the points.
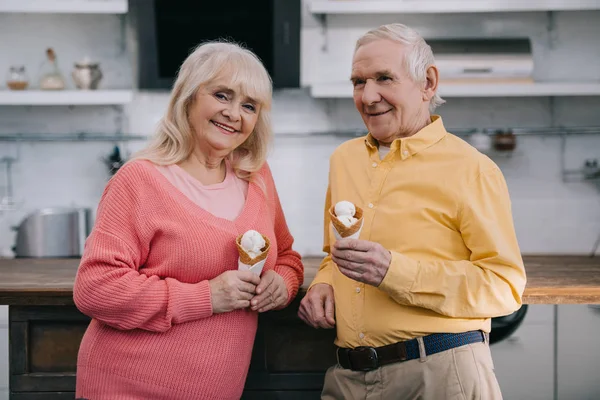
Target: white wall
(551, 216)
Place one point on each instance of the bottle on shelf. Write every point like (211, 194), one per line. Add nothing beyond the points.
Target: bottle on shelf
(51, 77)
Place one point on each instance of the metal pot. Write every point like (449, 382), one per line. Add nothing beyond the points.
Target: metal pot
(53, 232)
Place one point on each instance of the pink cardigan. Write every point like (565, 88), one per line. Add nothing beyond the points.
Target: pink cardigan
(144, 277)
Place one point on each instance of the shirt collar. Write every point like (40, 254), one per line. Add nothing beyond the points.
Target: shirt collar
(409, 146)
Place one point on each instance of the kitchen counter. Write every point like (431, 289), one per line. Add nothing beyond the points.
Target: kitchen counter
(289, 358)
(550, 280)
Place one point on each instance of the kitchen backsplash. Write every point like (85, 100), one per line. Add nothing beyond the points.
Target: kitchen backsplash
(550, 216)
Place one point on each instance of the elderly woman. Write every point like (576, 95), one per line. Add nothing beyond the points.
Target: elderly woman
(172, 315)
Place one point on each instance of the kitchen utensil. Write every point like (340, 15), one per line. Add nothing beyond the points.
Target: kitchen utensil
(16, 78)
(53, 232)
(505, 140)
(86, 74)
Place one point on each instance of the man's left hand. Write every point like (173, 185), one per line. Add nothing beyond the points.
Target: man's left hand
(271, 292)
(361, 260)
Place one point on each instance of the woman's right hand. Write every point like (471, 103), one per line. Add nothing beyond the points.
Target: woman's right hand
(232, 290)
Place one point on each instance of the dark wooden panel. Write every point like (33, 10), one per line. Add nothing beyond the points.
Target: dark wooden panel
(43, 382)
(46, 313)
(43, 396)
(29, 299)
(299, 348)
(289, 357)
(292, 382)
(53, 346)
(43, 348)
(281, 395)
(17, 347)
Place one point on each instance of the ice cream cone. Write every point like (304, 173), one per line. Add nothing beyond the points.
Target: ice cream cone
(246, 262)
(343, 231)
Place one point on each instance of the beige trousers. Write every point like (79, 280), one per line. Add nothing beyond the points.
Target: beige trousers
(462, 373)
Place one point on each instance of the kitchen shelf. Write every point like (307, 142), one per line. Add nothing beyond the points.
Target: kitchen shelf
(65, 97)
(65, 6)
(344, 89)
(446, 6)
(79, 137)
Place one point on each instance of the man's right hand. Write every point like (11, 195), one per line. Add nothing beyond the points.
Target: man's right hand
(317, 307)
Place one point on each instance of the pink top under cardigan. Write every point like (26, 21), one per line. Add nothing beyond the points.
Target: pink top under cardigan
(224, 200)
(143, 279)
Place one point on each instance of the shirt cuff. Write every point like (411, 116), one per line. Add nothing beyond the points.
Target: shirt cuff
(400, 276)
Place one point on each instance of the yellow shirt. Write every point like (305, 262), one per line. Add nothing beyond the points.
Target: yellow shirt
(443, 210)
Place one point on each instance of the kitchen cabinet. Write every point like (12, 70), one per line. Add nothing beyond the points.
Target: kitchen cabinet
(444, 6)
(578, 348)
(3, 360)
(29, 97)
(340, 20)
(524, 362)
(3, 352)
(65, 97)
(62, 6)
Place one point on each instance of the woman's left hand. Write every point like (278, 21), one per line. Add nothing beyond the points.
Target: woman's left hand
(271, 292)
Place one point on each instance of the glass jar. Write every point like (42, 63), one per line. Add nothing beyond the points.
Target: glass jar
(50, 76)
(16, 78)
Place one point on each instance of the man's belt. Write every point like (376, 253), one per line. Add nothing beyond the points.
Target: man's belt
(366, 358)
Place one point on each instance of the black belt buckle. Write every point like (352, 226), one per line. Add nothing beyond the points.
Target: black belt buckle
(363, 359)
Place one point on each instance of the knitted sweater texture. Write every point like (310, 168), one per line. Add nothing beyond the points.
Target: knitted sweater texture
(143, 279)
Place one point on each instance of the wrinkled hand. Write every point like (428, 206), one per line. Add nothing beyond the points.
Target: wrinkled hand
(232, 290)
(271, 292)
(361, 260)
(317, 307)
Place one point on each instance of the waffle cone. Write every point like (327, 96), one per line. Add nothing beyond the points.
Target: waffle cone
(342, 229)
(245, 258)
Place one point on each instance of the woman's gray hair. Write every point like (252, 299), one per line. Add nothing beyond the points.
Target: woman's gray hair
(235, 66)
(418, 58)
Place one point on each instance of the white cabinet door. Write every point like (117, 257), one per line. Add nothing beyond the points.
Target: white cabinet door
(578, 352)
(524, 362)
(3, 352)
(3, 363)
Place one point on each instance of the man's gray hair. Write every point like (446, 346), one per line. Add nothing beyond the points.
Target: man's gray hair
(418, 58)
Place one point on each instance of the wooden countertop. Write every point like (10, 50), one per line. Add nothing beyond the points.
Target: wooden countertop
(551, 280)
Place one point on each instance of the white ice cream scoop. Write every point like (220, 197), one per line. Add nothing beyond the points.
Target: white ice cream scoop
(252, 242)
(347, 220)
(344, 208)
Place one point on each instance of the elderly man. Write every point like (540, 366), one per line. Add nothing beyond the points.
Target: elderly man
(412, 299)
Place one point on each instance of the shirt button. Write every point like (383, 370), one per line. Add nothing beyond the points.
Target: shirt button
(357, 290)
(405, 152)
(370, 205)
(361, 335)
(374, 165)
